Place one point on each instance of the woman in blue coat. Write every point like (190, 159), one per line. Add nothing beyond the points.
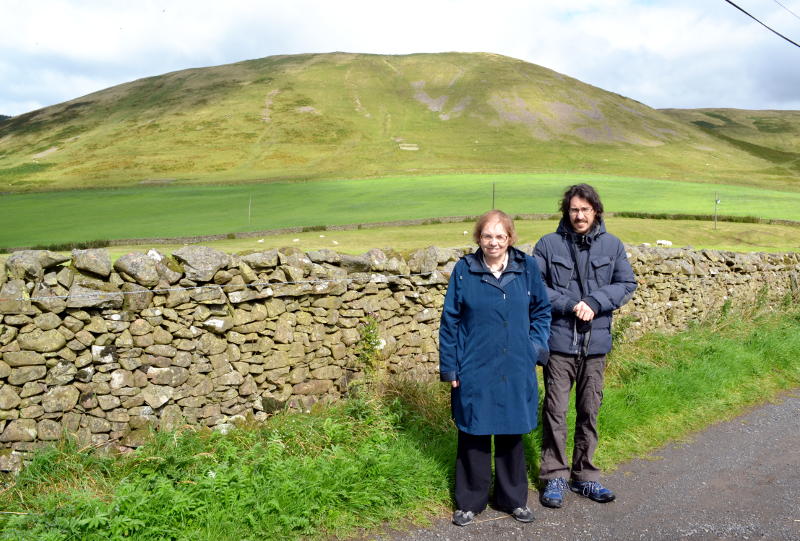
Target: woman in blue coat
(494, 330)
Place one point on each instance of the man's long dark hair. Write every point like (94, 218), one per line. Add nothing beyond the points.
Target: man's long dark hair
(584, 191)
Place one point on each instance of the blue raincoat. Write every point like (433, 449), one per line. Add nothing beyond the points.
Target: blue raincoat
(492, 334)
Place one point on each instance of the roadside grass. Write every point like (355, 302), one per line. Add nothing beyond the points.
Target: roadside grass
(182, 211)
(382, 458)
(351, 465)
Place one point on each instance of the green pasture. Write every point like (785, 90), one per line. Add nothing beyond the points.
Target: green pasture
(734, 237)
(180, 211)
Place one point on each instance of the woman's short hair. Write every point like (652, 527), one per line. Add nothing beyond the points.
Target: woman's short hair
(500, 216)
(584, 191)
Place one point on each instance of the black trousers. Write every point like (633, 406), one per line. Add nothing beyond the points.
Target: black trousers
(474, 472)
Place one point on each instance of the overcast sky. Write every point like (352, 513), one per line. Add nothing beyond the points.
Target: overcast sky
(664, 53)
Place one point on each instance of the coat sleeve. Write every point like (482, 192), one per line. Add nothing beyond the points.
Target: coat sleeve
(561, 303)
(620, 289)
(448, 327)
(539, 309)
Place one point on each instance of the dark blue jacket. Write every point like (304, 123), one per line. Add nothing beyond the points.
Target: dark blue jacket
(492, 334)
(609, 280)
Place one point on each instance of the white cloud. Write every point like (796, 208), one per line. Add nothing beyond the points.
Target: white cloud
(680, 53)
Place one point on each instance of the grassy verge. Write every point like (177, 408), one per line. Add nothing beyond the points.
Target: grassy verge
(381, 457)
(350, 466)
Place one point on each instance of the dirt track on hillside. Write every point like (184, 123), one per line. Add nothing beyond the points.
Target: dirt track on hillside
(736, 480)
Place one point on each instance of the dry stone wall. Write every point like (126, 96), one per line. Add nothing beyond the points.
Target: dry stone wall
(106, 352)
(680, 285)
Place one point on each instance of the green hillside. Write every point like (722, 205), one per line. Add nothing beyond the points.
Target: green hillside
(773, 136)
(338, 115)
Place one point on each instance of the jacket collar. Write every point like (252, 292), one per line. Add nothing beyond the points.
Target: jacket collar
(516, 261)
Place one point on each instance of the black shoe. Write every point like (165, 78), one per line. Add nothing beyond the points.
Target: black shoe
(592, 490)
(462, 518)
(553, 493)
(523, 514)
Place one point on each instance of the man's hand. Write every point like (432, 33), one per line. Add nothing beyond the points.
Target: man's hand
(454, 383)
(583, 311)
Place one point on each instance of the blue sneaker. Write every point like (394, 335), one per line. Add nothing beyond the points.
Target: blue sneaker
(592, 490)
(553, 493)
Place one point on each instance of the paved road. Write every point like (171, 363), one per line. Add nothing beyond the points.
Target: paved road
(736, 480)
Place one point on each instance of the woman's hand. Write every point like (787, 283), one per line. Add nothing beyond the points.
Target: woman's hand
(454, 383)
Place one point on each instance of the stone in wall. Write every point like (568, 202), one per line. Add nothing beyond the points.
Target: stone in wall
(93, 261)
(201, 263)
(31, 264)
(88, 292)
(19, 430)
(260, 261)
(14, 298)
(139, 268)
(49, 299)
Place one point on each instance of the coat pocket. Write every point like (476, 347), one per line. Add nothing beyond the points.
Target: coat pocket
(602, 268)
(561, 271)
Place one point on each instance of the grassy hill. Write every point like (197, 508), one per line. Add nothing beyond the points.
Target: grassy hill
(773, 136)
(339, 115)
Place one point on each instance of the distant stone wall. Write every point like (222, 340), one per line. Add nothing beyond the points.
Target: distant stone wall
(107, 352)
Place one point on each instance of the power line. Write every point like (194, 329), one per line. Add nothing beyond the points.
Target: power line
(764, 25)
(787, 9)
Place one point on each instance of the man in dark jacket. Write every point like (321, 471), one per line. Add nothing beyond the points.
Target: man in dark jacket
(587, 276)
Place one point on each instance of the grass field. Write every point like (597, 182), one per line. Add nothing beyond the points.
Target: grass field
(178, 211)
(735, 237)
